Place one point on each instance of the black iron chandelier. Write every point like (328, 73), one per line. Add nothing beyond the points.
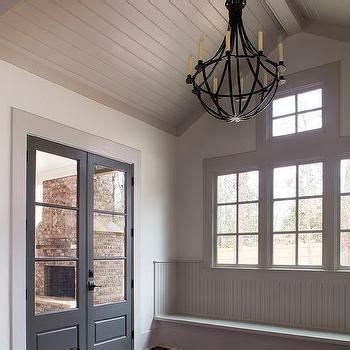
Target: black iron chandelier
(239, 81)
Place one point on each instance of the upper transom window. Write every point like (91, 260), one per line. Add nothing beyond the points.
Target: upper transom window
(297, 113)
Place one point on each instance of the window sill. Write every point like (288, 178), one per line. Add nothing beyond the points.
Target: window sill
(259, 328)
(277, 268)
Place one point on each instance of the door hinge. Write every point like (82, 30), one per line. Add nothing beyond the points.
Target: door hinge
(132, 334)
(132, 283)
(26, 294)
(132, 232)
(27, 156)
(132, 181)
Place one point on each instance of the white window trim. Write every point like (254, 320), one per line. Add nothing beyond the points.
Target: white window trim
(323, 144)
(295, 91)
(345, 155)
(271, 201)
(215, 234)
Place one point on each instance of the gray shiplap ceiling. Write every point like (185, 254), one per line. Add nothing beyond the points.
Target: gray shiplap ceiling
(131, 54)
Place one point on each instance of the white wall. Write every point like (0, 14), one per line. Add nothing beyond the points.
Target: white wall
(25, 91)
(209, 138)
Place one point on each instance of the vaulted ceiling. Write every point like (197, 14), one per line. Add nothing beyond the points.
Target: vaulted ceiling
(131, 54)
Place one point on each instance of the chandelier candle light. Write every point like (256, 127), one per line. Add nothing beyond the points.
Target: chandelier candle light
(239, 81)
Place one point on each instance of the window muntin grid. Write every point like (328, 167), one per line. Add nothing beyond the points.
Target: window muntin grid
(237, 218)
(297, 113)
(297, 222)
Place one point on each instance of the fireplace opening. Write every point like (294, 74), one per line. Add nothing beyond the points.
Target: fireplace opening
(60, 281)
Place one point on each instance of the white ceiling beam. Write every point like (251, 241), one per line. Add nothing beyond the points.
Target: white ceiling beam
(6, 5)
(285, 15)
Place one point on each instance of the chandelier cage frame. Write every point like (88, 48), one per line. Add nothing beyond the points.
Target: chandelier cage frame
(242, 105)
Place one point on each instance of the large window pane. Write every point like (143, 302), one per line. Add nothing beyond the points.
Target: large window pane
(243, 189)
(248, 186)
(310, 214)
(56, 179)
(227, 188)
(284, 215)
(345, 248)
(248, 217)
(109, 235)
(284, 249)
(283, 106)
(226, 219)
(109, 189)
(55, 232)
(311, 179)
(345, 213)
(109, 275)
(345, 176)
(283, 126)
(310, 249)
(310, 120)
(248, 249)
(226, 249)
(284, 182)
(55, 286)
(310, 100)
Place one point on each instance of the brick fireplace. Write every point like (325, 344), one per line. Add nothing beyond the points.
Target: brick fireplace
(56, 237)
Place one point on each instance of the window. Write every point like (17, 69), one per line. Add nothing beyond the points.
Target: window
(297, 214)
(345, 213)
(297, 113)
(301, 217)
(237, 218)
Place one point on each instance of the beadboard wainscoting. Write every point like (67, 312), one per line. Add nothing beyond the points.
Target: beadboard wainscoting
(300, 299)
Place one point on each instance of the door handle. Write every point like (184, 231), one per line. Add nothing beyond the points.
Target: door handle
(91, 286)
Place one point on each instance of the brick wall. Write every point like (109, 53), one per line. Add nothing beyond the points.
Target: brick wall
(56, 236)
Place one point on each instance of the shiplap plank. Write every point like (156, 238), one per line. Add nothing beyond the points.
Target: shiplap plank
(311, 302)
(27, 11)
(37, 47)
(100, 40)
(120, 36)
(34, 31)
(193, 29)
(159, 47)
(148, 28)
(70, 27)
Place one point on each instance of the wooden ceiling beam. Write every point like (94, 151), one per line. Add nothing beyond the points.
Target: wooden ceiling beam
(285, 15)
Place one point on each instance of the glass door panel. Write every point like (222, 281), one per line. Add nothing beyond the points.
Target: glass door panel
(109, 235)
(109, 274)
(56, 179)
(55, 286)
(56, 199)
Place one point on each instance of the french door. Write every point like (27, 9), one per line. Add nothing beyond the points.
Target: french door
(79, 249)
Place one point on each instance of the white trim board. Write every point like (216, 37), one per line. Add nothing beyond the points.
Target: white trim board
(258, 328)
(24, 124)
